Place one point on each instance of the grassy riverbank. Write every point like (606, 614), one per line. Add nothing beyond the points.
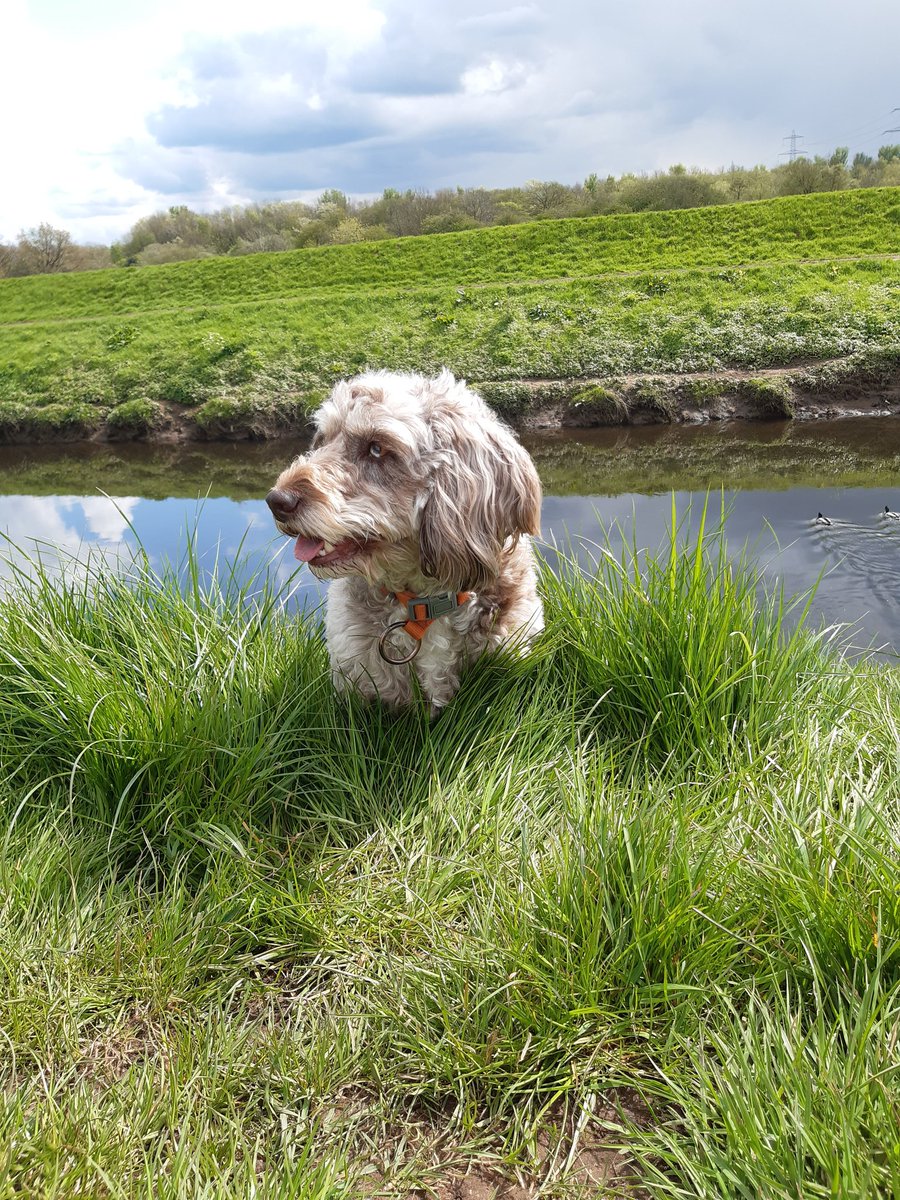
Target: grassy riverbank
(235, 347)
(628, 908)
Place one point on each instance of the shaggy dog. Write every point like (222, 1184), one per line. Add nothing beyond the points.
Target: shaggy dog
(414, 499)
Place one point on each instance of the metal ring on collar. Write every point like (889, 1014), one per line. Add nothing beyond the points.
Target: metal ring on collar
(397, 662)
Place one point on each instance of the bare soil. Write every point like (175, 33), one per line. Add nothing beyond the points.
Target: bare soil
(576, 1157)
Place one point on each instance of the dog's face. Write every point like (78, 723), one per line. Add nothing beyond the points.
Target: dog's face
(409, 482)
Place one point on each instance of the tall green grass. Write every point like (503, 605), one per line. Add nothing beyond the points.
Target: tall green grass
(696, 659)
(252, 936)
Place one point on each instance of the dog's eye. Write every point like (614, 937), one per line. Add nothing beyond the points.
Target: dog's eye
(375, 450)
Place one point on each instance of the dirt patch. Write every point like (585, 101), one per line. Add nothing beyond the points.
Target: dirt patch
(480, 1184)
(108, 1057)
(575, 1155)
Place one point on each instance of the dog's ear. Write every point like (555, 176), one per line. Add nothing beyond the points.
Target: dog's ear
(483, 490)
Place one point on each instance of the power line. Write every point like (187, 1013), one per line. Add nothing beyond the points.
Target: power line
(793, 137)
(867, 134)
(865, 129)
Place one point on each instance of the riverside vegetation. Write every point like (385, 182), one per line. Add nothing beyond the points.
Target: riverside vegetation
(581, 312)
(629, 907)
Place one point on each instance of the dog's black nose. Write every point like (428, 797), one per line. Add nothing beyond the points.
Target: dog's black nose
(282, 503)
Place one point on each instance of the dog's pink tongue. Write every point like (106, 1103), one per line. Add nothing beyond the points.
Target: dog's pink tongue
(306, 549)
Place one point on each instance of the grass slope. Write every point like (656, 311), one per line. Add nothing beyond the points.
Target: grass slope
(248, 342)
(793, 228)
(256, 942)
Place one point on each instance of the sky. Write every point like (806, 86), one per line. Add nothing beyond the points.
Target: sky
(114, 109)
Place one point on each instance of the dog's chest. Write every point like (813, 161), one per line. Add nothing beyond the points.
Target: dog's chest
(354, 630)
(447, 648)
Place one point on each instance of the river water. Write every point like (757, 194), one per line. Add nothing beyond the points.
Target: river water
(600, 486)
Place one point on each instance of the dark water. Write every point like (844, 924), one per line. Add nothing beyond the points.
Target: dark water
(600, 486)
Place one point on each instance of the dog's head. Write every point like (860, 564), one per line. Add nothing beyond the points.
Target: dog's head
(409, 482)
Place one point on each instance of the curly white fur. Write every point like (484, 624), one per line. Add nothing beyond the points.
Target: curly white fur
(412, 484)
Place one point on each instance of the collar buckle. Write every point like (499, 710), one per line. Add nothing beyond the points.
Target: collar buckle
(427, 608)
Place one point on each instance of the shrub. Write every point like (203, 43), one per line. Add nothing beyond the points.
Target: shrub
(451, 222)
(157, 253)
(654, 397)
(133, 418)
(771, 395)
(596, 405)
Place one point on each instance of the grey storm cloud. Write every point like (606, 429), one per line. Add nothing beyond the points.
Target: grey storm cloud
(171, 172)
(495, 93)
(259, 94)
(273, 112)
(362, 167)
(235, 123)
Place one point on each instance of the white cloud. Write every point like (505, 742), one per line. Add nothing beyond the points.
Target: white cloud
(107, 519)
(492, 76)
(63, 532)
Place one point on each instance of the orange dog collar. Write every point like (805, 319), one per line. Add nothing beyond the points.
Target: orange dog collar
(421, 611)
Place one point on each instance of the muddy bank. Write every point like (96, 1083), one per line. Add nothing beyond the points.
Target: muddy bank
(850, 387)
(823, 390)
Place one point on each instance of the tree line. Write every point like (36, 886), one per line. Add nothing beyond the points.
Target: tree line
(335, 219)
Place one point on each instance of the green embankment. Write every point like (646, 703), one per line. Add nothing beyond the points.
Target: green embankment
(638, 892)
(237, 345)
